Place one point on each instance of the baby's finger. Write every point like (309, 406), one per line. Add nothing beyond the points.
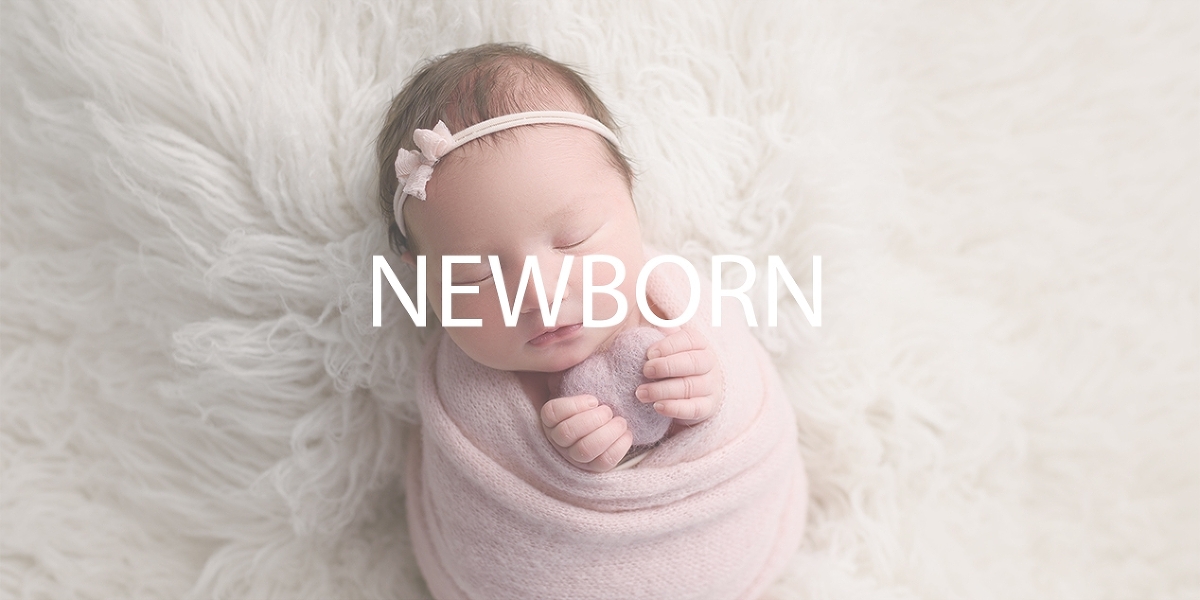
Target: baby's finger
(675, 388)
(692, 362)
(613, 454)
(680, 341)
(573, 428)
(559, 409)
(595, 443)
(692, 409)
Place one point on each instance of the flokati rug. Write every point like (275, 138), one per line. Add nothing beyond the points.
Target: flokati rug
(1002, 401)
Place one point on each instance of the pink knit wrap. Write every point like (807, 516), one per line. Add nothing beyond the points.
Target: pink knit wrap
(714, 511)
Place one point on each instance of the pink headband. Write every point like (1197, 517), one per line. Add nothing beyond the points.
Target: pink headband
(414, 168)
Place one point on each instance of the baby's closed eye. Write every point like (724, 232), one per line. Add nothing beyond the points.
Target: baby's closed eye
(574, 240)
(571, 245)
(473, 279)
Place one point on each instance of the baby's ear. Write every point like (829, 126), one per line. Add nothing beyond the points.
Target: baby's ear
(408, 257)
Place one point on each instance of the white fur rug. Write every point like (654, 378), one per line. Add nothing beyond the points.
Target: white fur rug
(1003, 400)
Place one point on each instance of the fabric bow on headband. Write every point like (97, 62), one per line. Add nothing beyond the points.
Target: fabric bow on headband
(414, 168)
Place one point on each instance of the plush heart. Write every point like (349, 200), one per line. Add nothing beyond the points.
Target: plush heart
(613, 374)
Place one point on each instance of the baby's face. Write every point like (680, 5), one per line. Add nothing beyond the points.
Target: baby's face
(546, 191)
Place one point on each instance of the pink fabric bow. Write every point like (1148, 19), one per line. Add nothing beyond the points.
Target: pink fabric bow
(413, 168)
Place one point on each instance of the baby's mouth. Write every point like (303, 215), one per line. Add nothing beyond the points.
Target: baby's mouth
(550, 336)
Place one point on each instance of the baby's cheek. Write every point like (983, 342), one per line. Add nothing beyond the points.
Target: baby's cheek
(604, 303)
(478, 305)
(487, 346)
(489, 343)
(604, 306)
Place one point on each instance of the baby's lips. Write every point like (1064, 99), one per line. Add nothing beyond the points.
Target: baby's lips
(548, 334)
(543, 330)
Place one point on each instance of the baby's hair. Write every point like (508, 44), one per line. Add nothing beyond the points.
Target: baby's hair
(472, 85)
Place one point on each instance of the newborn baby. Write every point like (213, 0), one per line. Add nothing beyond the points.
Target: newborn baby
(545, 179)
(512, 483)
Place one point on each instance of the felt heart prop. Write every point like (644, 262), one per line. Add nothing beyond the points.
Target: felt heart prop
(613, 374)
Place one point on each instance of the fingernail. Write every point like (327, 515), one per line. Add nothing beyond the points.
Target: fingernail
(654, 353)
(592, 402)
(651, 371)
(659, 406)
(641, 394)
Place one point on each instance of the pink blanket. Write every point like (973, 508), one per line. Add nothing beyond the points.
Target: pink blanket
(715, 511)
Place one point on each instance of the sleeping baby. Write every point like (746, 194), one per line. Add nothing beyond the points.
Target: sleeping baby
(556, 459)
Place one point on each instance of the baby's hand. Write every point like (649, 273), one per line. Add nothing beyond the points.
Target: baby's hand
(585, 432)
(692, 384)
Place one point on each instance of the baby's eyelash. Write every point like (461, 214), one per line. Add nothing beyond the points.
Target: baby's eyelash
(585, 238)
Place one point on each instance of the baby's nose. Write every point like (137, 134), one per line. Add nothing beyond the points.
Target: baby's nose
(530, 302)
(551, 266)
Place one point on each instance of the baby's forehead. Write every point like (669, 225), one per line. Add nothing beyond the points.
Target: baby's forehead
(553, 159)
(539, 177)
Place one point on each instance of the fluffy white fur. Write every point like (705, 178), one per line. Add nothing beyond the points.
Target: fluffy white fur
(1002, 401)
